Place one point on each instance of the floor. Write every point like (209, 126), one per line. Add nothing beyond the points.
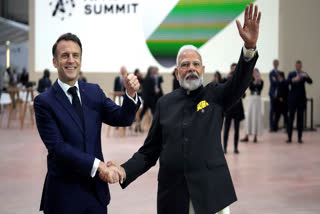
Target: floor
(270, 177)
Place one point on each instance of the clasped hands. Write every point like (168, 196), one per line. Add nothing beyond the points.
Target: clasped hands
(111, 172)
(300, 77)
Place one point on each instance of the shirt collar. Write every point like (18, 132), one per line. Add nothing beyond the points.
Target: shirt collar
(65, 87)
(194, 92)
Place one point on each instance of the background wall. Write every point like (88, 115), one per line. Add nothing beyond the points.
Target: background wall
(16, 10)
(299, 34)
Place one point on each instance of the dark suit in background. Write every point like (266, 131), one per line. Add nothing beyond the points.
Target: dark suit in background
(158, 84)
(175, 82)
(149, 95)
(235, 113)
(24, 77)
(118, 84)
(43, 84)
(297, 102)
(73, 145)
(273, 77)
(281, 104)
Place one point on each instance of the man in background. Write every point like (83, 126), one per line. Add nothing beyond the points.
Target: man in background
(119, 80)
(273, 77)
(297, 99)
(235, 113)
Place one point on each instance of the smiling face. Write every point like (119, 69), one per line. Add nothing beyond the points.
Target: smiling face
(68, 61)
(190, 70)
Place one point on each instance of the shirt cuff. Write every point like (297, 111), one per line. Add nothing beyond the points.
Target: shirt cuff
(95, 167)
(135, 100)
(248, 54)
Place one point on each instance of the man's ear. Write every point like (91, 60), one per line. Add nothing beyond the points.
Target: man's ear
(176, 73)
(54, 62)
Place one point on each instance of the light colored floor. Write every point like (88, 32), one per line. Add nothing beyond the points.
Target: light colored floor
(270, 177)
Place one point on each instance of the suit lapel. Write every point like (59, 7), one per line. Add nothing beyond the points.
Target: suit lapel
(86, 115)
(62, 98)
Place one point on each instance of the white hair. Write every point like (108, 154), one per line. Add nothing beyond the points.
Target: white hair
(184, 48)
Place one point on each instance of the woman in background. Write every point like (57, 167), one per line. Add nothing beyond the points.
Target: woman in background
(217, 77)
(253, 122)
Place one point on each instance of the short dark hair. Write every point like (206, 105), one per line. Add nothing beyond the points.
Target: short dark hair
(66, 37)
(46, 73)
(218, 74)
(298, 62)
(136, 71)
(281, 74)
(233, 64)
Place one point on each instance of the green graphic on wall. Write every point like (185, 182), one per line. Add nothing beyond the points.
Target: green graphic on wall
(192, 22)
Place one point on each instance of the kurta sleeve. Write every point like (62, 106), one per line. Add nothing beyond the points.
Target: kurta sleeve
(232, 90)
(148, 154)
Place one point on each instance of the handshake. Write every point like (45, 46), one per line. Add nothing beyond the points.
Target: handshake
(111, 172)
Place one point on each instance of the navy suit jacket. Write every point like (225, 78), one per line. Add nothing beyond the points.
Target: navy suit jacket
(71, 147)
(297, 92)
(273, 83)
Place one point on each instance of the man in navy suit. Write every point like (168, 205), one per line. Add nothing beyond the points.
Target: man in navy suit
(273, 77)
(69, 117)
(297, 99)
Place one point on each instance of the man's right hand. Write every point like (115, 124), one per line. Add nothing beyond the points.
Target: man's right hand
(296, 79)
(122, 175)
(110, 174)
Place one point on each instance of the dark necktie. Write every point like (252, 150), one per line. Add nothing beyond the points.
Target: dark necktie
(76, 102)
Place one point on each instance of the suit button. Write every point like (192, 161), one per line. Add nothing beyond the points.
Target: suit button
(186, 139)
(184, 124)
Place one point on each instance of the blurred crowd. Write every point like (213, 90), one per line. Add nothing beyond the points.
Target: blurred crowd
(287, 99)
(286, 92)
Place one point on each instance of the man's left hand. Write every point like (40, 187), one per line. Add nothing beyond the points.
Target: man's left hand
(131, 84)
(250, 30)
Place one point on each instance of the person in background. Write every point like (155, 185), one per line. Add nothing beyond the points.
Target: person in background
(254, 122)
(45, 82)
(13, 77)
(149, 94)
(24, 77)
(235, 113)
(118, 81)
(281, 105)
(217, 77)
(81, 77)
(158, 81)
(175, 82)
(1, 81)
(273, 78)
(139, 76)
(297, 99)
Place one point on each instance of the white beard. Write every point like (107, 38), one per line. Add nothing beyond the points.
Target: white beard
(190, 85)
